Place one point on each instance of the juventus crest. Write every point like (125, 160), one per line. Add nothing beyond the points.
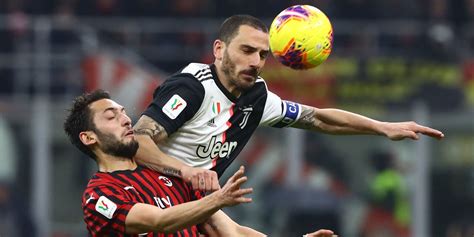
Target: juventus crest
(247, 111)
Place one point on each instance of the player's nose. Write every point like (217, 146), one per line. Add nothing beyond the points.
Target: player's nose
(255, 60)
(126, 121)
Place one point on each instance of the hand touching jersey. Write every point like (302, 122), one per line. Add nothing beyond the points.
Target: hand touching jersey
(149, 133)
(201, 179)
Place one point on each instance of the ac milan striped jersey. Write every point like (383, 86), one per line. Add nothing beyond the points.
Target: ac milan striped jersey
(109, 197)
(207, 126)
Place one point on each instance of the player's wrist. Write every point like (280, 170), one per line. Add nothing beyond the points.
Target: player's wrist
(215, 200)
(380, 128)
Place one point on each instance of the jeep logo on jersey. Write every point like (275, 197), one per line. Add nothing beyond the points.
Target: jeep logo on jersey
(215, 149)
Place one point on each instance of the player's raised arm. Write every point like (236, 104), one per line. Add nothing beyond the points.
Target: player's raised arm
(149, 133)
(336, 121)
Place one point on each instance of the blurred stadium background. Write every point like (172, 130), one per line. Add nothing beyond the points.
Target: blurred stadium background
(392, 60)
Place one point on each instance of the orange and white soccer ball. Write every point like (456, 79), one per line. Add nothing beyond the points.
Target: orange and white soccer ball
(301, 37)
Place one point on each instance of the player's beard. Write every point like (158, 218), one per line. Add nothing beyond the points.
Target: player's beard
(109, 144)
(229, 69)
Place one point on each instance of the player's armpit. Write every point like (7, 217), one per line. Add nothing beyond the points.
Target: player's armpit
(148, 126)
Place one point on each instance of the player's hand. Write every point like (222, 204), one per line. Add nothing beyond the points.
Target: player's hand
(321, 233)
(201, 179)
(402, 130)
(231, 193)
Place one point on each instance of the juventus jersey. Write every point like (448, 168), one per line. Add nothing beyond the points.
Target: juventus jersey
(207, 126)
(109, 197)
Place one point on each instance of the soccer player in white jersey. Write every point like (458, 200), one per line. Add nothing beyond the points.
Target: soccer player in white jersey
(202, 116)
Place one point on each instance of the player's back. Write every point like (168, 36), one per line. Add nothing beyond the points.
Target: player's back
(109, 197)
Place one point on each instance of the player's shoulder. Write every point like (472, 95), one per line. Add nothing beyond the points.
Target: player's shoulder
(260, 84)
(196, 71)
(260, 80)
(103, 181)
(190, 75)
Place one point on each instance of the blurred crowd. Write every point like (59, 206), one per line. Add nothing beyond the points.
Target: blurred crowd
(455, 11)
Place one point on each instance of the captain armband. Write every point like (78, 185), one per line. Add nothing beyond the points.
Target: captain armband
(291, 111)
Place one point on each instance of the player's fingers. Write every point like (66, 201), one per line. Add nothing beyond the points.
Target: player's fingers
(243, 192)
(214, 181)
(413, 135)
(243, 200)
(431, 132)
(195, 182)
(325, 232)
(202, 182)
(239, 173)
(405, 134)
(321, 233)
(236, 185)
(207, 181)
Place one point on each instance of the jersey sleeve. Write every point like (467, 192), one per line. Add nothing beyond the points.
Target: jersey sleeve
(279, 113)
(176, 101)
(105, 210)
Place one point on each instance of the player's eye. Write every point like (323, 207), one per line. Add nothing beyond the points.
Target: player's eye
(264, 55)
(247, 51)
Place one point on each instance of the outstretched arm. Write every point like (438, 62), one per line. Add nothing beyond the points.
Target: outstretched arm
(220, 225)
(149, 133)
(336, 121)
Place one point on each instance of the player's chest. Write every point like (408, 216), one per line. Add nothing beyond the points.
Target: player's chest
(159, 191)
(217, 113)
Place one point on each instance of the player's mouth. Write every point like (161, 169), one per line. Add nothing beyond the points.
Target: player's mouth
(250, 75)
(248, 78)
(129, 133)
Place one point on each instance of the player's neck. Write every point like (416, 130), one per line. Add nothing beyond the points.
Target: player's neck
(109, 163)
(227, 83)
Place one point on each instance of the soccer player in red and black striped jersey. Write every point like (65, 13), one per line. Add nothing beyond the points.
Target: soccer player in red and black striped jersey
(125, 199)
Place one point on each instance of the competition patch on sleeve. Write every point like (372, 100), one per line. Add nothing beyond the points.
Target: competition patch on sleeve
(174, 106)
(290, 113)
(105, 207)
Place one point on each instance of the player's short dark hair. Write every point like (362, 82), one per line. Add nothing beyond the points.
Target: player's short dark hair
(230, 27)
(80, 119)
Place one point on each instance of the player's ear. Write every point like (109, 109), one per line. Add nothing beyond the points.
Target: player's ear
(218, 48)
(88, 137)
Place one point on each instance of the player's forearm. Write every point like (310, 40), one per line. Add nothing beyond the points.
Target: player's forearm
(188, 214)
(150, 155)
(335, 121)
(220, 224)
(146, 218)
